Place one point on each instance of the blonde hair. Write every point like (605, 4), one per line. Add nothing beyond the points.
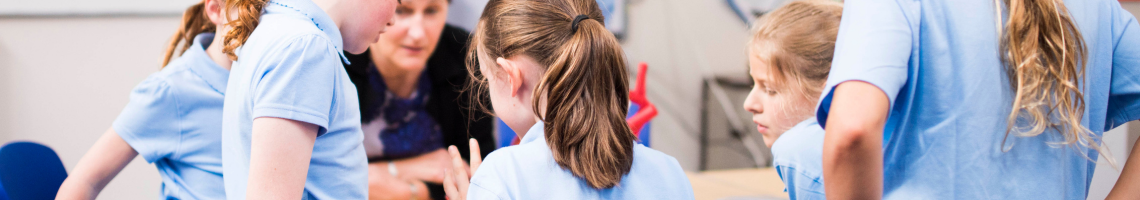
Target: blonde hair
(1044, 56)
(248, 16)
(194, 22)
(585, 84)
(798, 41)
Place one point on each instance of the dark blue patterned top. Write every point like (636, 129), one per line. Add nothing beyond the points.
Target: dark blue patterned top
(410, 130)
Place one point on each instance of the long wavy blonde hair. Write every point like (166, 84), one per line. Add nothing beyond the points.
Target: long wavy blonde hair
(1044, 56)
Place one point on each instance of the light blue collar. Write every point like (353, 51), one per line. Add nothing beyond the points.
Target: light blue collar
(316, 15)
(535, 134)
(803, 124)
(201, 64)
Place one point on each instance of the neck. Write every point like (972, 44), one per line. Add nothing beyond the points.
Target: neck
(330, 6)
(401, 81)
(215, 51)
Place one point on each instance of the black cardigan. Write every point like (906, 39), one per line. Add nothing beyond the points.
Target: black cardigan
(448, 104)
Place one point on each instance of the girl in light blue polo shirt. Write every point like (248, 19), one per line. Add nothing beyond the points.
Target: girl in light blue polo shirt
(291, 122)
(789, 63)
(978, 99)
(173, 119)
(553, 69)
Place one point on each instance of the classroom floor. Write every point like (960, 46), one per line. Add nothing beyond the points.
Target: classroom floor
(737, 184)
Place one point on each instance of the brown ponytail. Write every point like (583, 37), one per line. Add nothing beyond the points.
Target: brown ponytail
(194, 22)
(1044, 55)
(248, 15)
(585, 84)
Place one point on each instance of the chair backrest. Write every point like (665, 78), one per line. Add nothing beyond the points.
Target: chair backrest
(30, 170)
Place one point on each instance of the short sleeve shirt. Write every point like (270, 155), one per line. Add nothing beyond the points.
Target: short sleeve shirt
(174, 121)
(939, 63)
(528, 171)
(798, 158)
(290, 68)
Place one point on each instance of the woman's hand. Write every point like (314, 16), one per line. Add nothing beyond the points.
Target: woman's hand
(383, 186)
(458, 177)
(427, 167)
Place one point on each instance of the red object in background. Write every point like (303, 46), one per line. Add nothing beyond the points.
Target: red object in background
(637, 96)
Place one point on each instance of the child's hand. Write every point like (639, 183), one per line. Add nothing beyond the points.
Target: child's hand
(458, 177)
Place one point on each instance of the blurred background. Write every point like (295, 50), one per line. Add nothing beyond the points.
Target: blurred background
(67, 67)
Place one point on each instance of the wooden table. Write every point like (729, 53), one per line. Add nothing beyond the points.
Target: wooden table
(759, 184)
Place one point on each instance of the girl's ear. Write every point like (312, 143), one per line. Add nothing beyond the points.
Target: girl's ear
(214, 11)
(514, 74)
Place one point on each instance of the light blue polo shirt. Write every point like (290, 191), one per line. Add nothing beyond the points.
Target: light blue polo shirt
(174, 121)
(938, 61)
(528, 171)
(290, 67)
(798, 158)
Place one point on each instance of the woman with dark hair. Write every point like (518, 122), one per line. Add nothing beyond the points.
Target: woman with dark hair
(412, 102)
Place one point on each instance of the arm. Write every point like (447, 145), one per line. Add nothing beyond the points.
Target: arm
(1124, 99)
(852, 147)
(1128, 185)
(279, 158)
(101, 163)
(413, 172)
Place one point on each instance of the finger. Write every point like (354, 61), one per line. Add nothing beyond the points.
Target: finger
(476, 155)
(461, 177)
(449, 186)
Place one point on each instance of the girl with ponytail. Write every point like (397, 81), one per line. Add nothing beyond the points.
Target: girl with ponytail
(172, 119)
(936, 99)
(552, 69)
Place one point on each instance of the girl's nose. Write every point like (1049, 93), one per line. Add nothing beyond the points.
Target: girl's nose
(752, 103)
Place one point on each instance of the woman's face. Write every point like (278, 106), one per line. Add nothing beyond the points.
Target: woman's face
(364, 20)
(774, 107)
(414, 33)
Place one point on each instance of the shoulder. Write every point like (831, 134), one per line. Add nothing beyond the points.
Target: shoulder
(649, 162)
(161, 85)
(517, 159)
(800, 147)
(529, 154)
(283, 34)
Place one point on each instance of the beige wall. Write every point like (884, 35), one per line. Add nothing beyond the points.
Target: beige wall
(63, 80)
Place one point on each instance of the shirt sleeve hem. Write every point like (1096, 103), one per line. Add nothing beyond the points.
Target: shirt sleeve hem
(291, 114)
(141, 147)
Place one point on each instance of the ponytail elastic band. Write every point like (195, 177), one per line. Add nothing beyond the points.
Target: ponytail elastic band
(574, 25)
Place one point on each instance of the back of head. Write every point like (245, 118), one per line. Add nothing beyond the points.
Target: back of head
(585, 85)
(797, 41)
(248, 15)
(194, 22)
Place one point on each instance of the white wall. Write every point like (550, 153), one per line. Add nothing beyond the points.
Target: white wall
(63, 80)
(90, 7)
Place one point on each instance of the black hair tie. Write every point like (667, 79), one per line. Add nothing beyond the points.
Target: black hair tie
(574, 25)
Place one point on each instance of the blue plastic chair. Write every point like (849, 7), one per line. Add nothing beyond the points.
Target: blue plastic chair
(30, 170)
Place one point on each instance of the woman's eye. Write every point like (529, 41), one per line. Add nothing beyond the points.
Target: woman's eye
(770, 91)
(403, 11)
(430, 11)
